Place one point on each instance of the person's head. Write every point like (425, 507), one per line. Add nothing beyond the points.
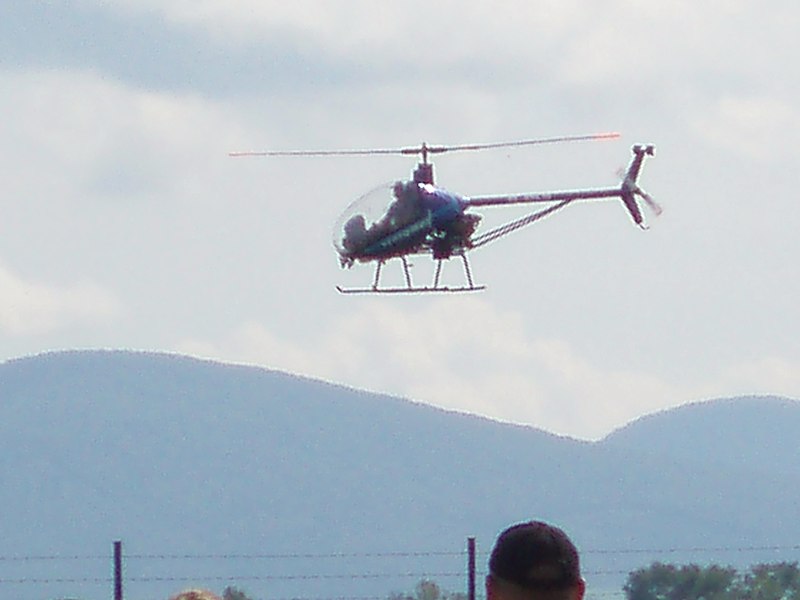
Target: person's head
(195, 595)
(534, 561)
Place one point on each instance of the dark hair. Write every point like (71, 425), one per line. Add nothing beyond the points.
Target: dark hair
(536, 556)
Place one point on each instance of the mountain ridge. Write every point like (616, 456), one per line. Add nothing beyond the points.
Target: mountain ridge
(178, 455)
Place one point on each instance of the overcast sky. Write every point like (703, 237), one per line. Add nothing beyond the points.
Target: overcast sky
(126, 225)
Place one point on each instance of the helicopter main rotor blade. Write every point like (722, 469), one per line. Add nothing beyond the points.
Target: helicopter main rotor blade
(318, 152)
(424, 149)
(532, 142)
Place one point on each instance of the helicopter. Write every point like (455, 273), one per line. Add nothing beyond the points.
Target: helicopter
(416, 217)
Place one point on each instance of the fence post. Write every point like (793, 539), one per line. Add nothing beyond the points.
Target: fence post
(118, 570)
(471, 568)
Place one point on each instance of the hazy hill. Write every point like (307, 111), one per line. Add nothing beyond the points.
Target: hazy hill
(269, 475)
(757, 433)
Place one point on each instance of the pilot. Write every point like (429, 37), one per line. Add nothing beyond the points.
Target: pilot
(355, 233)
(406, 206)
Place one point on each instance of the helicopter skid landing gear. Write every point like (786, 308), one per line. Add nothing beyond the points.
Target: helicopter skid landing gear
(410, 288)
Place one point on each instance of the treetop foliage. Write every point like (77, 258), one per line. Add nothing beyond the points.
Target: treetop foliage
(232, 593)
(659, 581)
(428, 590)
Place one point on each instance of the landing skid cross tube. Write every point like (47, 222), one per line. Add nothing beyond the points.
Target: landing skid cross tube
(410, 287)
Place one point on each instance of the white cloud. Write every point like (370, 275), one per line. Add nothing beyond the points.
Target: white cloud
(100, 132)
(464, 354)
(766, 375)
(98, 164)
(443, 29)
(459, 354)
(752, 126)
(30, 308)
(569, 40)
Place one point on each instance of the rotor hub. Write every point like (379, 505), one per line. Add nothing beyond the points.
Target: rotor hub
(424, 173)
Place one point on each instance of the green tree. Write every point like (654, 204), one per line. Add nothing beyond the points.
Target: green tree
(232, 593)
(688, 582)
(775, 581)
(427, 589)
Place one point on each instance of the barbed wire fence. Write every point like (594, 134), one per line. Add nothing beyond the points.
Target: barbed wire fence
(33, 576)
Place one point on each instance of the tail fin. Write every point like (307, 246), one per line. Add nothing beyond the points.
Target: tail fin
(629, 187)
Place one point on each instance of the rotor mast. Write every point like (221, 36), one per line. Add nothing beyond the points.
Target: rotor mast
(424, 171)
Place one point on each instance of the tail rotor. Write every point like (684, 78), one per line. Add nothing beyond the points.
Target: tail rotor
(630, 189)
(654, 206)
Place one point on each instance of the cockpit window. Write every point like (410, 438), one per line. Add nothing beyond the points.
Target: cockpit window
(377, 214)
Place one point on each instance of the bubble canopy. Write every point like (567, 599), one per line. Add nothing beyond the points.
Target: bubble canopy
(398, 216)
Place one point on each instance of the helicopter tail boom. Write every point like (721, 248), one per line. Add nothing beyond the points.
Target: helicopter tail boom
(626, 191)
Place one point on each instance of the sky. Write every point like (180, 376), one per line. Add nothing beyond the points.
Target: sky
(126, 225)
